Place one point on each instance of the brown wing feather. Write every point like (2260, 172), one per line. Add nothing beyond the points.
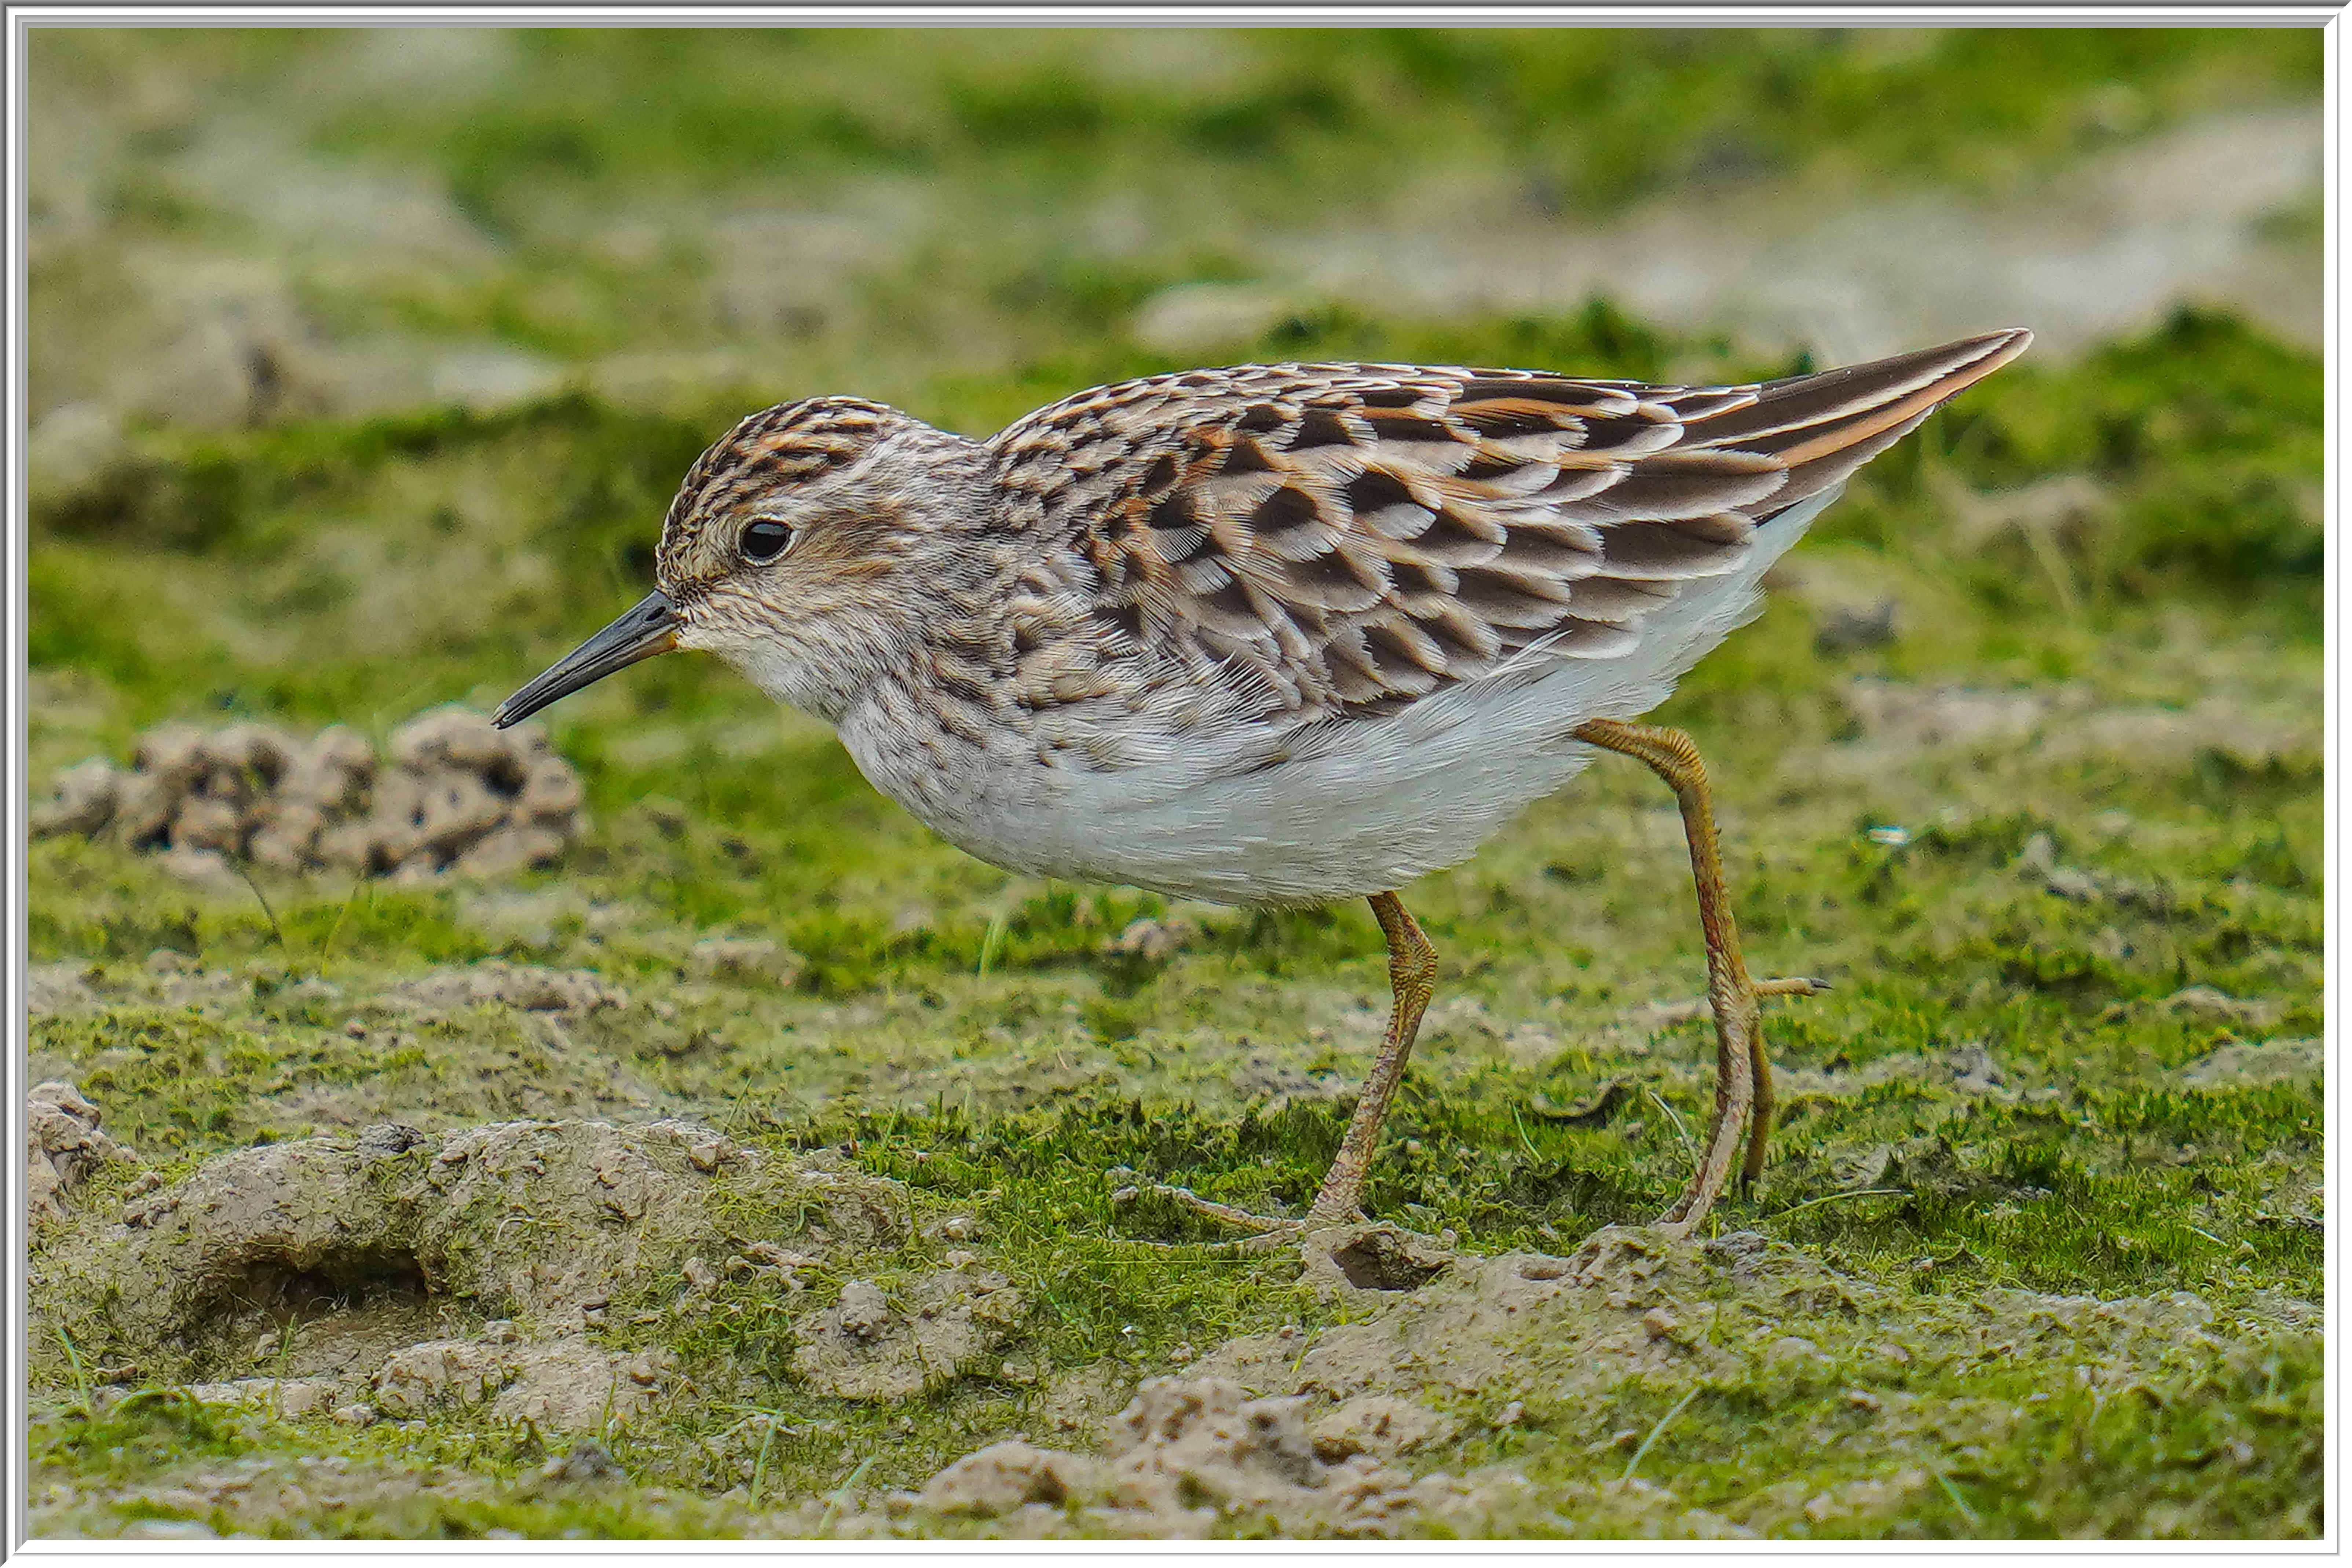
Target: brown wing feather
(1346, 538)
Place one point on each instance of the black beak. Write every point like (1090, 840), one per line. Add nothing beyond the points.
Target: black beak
(648, 629)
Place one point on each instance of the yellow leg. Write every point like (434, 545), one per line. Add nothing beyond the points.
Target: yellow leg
(1412, 973)
(1743, 1074)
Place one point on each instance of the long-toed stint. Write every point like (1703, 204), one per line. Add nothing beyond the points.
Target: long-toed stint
(1277, 634)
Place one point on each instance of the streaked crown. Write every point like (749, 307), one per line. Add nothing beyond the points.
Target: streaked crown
(767, 456)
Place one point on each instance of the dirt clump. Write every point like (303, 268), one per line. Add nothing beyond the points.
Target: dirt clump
(352, 1261)
(57, 988)
(62, 1148)
(2206, 1004)
(453, 794)
(1187, 1454)
(2265, 1061)
(1152, 940)
(531, 988)
(568, 1384)
(869, 1347)
(755, 958)
(1379, 1425)
(2038, 863)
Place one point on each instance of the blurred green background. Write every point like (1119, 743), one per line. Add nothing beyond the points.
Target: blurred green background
(363, 364)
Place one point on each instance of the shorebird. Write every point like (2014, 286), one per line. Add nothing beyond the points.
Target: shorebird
(1277, 634)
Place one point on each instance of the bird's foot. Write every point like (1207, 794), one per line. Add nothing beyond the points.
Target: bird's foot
(1343, 1250)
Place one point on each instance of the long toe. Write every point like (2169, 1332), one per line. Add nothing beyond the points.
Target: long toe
(1239, 1219)
(1795, 985)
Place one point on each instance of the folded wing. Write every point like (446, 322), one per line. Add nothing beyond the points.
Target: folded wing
(1331, 540)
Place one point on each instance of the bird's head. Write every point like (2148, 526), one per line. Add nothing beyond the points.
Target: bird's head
(805, 548)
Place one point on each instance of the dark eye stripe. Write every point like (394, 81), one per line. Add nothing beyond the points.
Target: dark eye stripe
(764, 540)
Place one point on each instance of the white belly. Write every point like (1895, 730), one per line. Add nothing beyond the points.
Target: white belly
(1349, 808)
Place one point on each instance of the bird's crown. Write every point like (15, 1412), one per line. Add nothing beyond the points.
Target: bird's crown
(768, 452)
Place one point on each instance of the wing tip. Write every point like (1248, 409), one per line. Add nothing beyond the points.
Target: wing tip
(1969, 361)
(1932, 377)
(1979, 356)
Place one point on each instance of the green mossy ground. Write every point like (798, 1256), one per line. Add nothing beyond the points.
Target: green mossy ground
(964, 1031)
(2001, 1094)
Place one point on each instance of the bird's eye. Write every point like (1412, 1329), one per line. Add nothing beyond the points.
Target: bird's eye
(764, 541)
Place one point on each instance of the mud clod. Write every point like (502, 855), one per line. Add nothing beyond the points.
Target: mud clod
(437, 1374)
(1380, 1425)
(62, 1148)
(57, 988)
(387, 1139)
(869, 1347)
(2266, 1061)
(1381, 1258)
(1004, 1477)
(746, 958)
(1152, 940)
(82, 800)
(589, 1463)
(575, 993)
(347, 1258)
(456, 794)
(1185, 1452)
